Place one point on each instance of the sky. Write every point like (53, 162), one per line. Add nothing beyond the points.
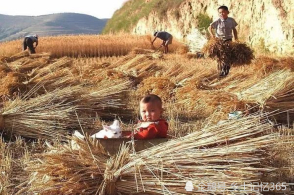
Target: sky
(97, 8)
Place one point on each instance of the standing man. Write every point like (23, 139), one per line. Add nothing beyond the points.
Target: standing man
(166, 37)
(224, 27)
(29, 42)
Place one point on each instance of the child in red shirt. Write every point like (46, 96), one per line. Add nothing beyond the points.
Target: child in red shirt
(152, 125)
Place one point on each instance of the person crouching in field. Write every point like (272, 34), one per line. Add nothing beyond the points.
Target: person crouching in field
(224, 26)
(166, 37)
(29, 41)
(152, 125)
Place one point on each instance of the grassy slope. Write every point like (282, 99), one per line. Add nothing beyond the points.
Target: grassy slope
(133, 10)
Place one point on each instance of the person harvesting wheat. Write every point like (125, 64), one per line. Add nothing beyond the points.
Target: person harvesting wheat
(165, 37)
(29, 41)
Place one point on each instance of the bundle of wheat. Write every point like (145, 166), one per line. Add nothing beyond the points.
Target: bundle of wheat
(241, 53)
(55, 66)
(15, 56)
(161, 86)
(283, 101)
(53, 80)
(107, 99)
(230, 156)
(13, 157)
(234, 53)
(205, 102)
(86, 164)
(281, 156)
(267, 87)
(46, 116)
(142, 51)
(139, 67)
(12, 83)
(27, 64)
(129, 62)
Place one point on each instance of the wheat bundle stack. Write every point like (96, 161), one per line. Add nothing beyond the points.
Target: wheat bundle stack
(138, 59)
(281, 156)
(234, 53)
(13, 157)
(25, 65)
(72, 166)
(161, 86)
(131, 61)
(106, 99)
(229, 153)
(46, 116)
(206, 102)
(149, 52)
(128, 61)
(283, 101)
(242, 54)
(11, 83)
(140, 66)
(53, 80)
(267, 87)
(173, 71)
(5, 164)
(53, 67)
(15, 56)
(142, 51)
(143, 70)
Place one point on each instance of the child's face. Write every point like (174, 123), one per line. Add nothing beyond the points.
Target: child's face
(150, 111)
(223, 13)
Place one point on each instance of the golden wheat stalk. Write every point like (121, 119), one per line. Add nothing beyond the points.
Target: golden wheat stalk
(229, 153)
(267, 87)
(45, 116)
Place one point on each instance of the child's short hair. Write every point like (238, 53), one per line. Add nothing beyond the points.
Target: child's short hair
(223, 7)
(152, 98)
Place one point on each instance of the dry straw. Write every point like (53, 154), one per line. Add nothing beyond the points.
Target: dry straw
(229, 153)
(260, 92)
(46, 116)
(161, 86)
(53, 113)
(234, 53)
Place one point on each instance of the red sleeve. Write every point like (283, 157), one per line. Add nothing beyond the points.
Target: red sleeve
(162, 129)
(153, 131)
(147, 133)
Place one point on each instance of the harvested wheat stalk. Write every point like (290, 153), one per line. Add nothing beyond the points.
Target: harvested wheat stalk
(46, 116)
(267, 87)
(228, 153)
(15, 56)
(142, 51)
(60, 63)
(234, 53)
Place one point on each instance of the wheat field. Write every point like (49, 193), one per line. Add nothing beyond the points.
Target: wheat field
(68, 85)
(86, 45)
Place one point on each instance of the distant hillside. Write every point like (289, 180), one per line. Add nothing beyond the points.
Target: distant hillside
(133, 10)
(15, 27)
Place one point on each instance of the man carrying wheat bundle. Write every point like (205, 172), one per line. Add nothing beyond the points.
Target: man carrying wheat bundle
(224, 26)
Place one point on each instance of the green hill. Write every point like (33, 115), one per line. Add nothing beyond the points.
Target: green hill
(133, 10)
(15, 27)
